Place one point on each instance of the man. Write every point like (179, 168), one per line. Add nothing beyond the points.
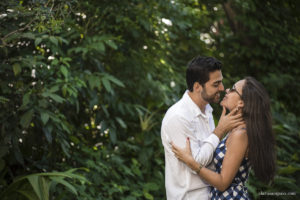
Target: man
(191, 117)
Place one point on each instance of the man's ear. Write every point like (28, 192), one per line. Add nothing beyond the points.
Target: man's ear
(197, 87)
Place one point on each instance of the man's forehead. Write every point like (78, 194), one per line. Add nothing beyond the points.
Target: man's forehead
(215, 76)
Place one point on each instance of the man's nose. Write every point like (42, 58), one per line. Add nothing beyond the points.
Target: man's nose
(221, 87)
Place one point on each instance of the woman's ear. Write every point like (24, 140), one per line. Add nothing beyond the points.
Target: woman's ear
(240, 104)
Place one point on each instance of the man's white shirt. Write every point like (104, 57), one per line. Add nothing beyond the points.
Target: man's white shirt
(185, 119)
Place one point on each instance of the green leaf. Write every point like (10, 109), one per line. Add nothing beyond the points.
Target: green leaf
(26, 98)
(56, 98)
(64, 90)
(148, 196)
(121, 122)
(115, 80)
(54, 62)
(48, 134)
(53, 40)
(29, 194)
(288, 170)
(64, 183)
(64, 40)
(111, 44)
(113, 136)
(16, 150)
(151, 187)
(3, 100)
(34, 182)
(44, 117)
(64, 71)
(17, 68)
(65, 147)
(66, 60)
(44, 184)
(101, 47)
(106, 84)
(65, 127)
(37, 41)
(94, 81)
(26, 118)
(74, 139)
(28, 35)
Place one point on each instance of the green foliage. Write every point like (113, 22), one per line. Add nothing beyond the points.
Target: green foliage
(86, 84)
(38, 186)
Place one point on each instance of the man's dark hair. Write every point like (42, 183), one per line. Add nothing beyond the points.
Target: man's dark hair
(199, 68)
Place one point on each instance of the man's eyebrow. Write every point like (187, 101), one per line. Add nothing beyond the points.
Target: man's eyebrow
(219, 81)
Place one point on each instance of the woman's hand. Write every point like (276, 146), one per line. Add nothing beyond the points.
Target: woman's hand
(184, 154)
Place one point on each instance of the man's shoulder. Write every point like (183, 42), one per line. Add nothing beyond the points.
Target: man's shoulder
(178, 111)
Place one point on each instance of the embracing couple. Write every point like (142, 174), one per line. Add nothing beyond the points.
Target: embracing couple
(207, 162)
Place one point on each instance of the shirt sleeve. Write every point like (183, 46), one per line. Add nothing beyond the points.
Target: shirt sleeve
(176, 130)
(203, 150)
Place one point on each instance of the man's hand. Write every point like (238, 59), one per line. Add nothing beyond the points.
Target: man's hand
(228, 122)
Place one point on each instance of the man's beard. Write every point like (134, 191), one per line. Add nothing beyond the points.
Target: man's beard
(215, 98)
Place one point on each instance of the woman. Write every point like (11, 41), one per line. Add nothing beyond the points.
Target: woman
(249, 145)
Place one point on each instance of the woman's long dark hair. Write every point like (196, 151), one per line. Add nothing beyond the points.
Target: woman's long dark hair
(261, 141)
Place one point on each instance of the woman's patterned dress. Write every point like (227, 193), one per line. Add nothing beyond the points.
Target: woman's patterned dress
(237, 189)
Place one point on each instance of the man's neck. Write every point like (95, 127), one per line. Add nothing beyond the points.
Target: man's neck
(201, 103)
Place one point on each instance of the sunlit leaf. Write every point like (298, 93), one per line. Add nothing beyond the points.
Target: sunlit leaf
(28, 35)
(17, 68)
(34, 182)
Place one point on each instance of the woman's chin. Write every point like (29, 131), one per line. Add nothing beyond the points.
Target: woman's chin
(224, 105)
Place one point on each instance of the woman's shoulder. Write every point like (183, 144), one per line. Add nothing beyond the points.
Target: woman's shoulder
(239, 134)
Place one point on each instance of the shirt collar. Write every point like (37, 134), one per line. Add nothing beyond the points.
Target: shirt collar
(194, 108)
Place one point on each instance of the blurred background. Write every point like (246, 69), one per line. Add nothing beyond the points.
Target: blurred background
(85, 84)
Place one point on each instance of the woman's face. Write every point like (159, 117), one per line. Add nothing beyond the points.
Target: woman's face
(232, 98)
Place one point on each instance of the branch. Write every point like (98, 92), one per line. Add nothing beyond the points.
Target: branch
(235, 26)
(230, 14)
(15, 31)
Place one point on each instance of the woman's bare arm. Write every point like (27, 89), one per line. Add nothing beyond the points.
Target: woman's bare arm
(236, 148)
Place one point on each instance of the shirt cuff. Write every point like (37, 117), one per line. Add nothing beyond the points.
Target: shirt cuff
(213, 140)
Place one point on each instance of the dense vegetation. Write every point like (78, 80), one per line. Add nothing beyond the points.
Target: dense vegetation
(85, 84)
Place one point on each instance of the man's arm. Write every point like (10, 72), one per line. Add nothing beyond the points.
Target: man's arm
(177, 130)
(203, 154)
